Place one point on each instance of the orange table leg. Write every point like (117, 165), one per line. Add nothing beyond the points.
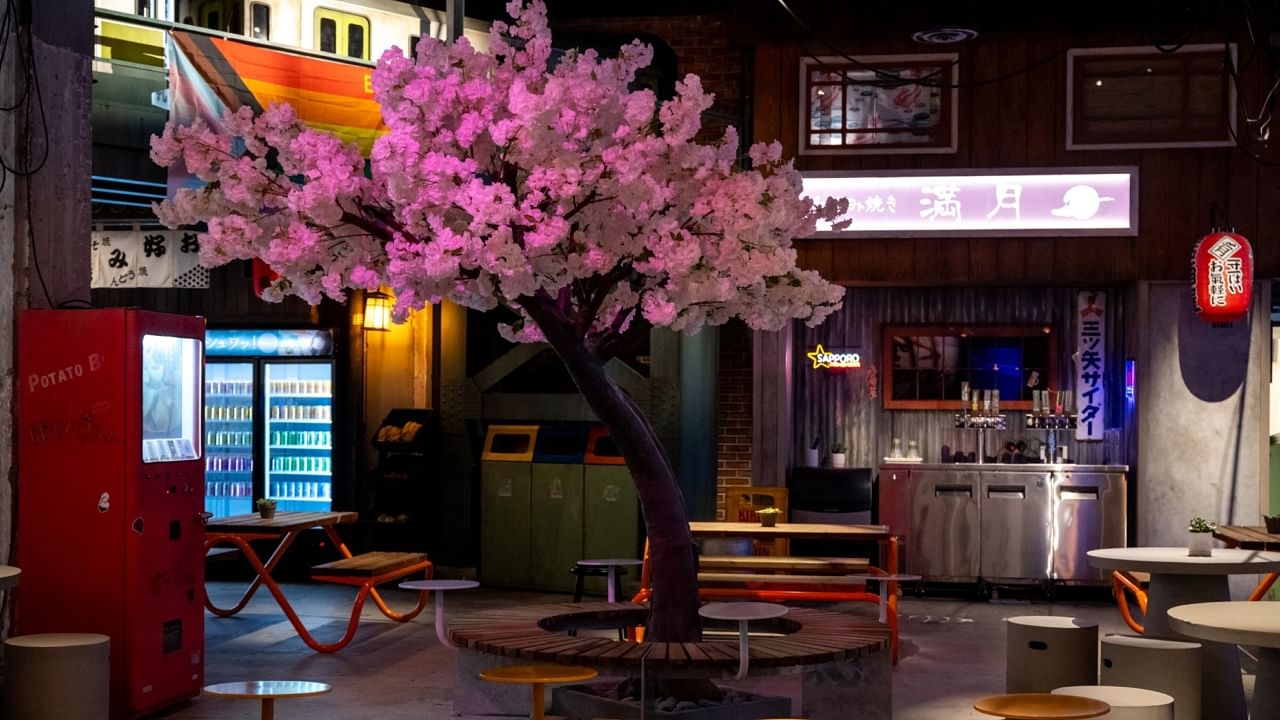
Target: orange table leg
(245, 548)
(539, 699)
(1261, 590)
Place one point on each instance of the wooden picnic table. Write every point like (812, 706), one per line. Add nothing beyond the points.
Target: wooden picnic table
(365, 571)
(1247, 537)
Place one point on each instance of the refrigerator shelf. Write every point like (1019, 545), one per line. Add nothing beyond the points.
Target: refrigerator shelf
(300, 447)
(299, 421)
(228, 420)
(299, 472)
(282, 498)
(244, 396)
(325, 396)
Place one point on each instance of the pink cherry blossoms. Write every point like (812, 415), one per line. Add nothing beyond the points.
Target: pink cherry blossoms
(497, 180)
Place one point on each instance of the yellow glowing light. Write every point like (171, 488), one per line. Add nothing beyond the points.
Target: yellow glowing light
(823, 359)
(377, 311)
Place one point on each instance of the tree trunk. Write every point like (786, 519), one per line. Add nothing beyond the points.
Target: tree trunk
(674, 603)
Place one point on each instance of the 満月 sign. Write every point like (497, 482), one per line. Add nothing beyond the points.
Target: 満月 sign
(1102, 202)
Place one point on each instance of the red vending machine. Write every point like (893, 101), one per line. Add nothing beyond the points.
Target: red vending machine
(110, 491)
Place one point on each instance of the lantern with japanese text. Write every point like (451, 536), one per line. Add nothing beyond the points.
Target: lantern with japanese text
(1223, 272)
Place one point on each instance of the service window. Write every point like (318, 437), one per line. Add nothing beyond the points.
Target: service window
(336, 30)
(260, 21)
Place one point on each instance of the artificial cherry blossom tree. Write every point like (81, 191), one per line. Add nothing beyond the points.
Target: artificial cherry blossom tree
(562, 194)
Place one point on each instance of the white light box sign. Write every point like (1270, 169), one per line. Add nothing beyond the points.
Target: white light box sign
(933, 203)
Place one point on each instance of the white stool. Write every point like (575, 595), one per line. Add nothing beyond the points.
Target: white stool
(1127, 703)
(1049, 651)
(1168, 666)
(57, 676)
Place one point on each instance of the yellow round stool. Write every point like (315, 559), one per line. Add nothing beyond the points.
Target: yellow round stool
(538, 676)
(1041, 706)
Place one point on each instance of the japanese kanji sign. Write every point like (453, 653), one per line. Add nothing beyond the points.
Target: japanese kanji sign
(1091, 362)
(147, 259)
(1102, 202)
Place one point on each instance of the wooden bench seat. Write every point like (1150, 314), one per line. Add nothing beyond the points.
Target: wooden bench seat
(808, 636)
(773, 563)
(367, 571)
(371, 564)
(713, 578)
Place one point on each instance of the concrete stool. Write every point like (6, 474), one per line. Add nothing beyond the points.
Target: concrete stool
(57, 676)
(1127, 703)
(1048, 651)
(1168, 666)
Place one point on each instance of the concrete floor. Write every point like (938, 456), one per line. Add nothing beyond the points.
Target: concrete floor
(952, 653)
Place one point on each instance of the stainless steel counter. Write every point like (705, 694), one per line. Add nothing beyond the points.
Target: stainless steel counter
(967, 522)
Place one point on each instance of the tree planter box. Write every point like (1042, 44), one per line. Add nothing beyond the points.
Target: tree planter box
(577, 702)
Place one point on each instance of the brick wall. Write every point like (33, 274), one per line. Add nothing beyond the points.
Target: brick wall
(733, 451)
(702, 46)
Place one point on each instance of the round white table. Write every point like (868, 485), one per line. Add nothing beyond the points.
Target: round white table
(1241, 623)
(612, 564)
(440, 586)
(9, 576)
(743, 612)
(1179, 579)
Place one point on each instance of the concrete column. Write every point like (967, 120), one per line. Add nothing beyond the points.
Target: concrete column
(1202, 407)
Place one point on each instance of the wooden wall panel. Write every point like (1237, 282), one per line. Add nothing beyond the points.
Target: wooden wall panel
(1020, 121)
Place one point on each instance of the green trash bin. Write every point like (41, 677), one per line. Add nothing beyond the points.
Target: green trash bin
(506, 472)
(556, 505)
(611, 510)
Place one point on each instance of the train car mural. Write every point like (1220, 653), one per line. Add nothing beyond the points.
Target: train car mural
(162, 59)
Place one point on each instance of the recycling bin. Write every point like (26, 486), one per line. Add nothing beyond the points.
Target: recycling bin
(506, 472)
(556, 505)
(611, 510)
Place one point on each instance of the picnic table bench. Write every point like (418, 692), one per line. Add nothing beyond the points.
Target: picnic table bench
(791, 578)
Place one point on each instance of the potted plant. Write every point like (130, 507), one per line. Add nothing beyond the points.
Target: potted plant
(837, 454)
(768, 516)
(1200, 538)
(266, 508)
(1272, 522)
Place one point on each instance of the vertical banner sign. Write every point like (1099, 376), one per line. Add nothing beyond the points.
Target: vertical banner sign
(1091, 359)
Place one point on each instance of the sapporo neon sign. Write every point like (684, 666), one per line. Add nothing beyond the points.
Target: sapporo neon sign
(823, 358)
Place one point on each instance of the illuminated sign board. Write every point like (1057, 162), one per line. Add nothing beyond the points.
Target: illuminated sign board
(268, 343)
(834, 359)
(934, 203)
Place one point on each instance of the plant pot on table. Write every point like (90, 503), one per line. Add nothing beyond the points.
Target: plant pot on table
(1199, 544)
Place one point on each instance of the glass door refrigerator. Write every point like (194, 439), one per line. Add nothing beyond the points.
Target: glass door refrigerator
(269, 419)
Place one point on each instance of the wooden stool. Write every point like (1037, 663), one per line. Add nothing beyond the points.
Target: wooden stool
(267, 691)
(538, 676)
(1041, 706)
(1127, 703)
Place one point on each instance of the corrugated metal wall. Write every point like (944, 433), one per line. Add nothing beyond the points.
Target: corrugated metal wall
(848, 404)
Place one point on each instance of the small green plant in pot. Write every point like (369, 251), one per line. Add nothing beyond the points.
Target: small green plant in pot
(1200, 537)
(838, 454)
(266, 507)
(768, 516)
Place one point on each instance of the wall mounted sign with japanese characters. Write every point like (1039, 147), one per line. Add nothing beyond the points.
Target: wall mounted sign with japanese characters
(147, 259)
(1096, 202)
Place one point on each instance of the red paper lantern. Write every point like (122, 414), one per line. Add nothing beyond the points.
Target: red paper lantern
(263, 276)
(1223, 265)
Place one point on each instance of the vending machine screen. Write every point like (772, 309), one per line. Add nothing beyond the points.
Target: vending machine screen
(172, 369)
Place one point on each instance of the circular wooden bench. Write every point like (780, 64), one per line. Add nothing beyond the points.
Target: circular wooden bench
(808, 637)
